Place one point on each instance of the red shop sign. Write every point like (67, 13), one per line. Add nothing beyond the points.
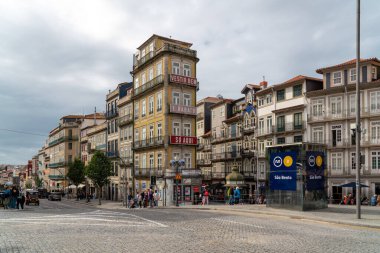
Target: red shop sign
(187, 140)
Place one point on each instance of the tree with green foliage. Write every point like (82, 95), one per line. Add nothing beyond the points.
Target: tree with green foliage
(99, 170)
(28, 184)
(38, 181)
(76, 172)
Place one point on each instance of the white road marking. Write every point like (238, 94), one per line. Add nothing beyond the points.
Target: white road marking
(107, 218)
(235, 222)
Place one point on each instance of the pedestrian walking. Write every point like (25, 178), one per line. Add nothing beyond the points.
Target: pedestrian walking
(20, 200)
(237, 195)
(7, 196)
(140, 198)
(13, 199)
(205, 197)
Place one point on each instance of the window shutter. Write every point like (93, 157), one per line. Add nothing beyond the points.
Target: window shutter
(345, 77)
(364, 73)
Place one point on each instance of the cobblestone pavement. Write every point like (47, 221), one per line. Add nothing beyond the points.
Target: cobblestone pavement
(72, 227)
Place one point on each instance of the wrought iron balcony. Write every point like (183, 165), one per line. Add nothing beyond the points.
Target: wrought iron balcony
(56, 165)
(126, 119)
(190, 172)
(148, 85)
(292, 126)
(111, 114)
(264, 131)
(56, 177)
(150, 142)
(147, 172)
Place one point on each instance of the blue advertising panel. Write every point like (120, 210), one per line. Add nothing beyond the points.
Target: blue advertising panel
(283, 171)
(315, 170)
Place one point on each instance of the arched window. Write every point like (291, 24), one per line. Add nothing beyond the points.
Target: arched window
(253, 166)
(247, 120)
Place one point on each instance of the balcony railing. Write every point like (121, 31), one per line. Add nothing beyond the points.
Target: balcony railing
(183, 109)
(126, 119)
(56, 165)
(290, 127)
(148, 85)
(126, 161)
(150, 142)
(218, 175)
(341, 114)
(226, 155)
(207, 147)
(264, 131)
(165, 48)
(147, 172)
(200, 146)
(111, 114)
(247, 153)
(56, 177)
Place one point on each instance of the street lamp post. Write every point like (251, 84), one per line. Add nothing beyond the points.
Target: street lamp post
(358, 127)
(125, 191)
(177, 164)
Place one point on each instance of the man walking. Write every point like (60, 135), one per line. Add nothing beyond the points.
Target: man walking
(237, 195)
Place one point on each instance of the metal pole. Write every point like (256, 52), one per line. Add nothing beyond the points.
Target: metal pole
(176, 188)
(358, 129)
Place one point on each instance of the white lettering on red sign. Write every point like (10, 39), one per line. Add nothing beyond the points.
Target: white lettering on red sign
(183, 79)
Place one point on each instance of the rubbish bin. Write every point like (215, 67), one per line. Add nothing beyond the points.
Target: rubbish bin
(373, 200)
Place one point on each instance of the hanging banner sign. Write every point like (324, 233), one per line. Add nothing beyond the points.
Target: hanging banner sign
(283, 171)
(315, 170)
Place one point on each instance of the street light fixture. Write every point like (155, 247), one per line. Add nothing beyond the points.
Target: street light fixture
(177, 164)
(126, 188)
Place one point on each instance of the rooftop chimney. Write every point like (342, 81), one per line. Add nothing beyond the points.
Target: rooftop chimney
(264, 83)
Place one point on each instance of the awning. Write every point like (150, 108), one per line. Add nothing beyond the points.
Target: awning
(352, 185)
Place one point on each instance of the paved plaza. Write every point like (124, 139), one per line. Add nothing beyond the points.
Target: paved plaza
(71, 226)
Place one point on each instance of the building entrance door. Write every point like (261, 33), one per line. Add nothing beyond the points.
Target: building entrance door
(337, 194)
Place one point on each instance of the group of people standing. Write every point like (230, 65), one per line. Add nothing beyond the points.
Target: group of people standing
(147, 198)
(13, 198)
(233, 195)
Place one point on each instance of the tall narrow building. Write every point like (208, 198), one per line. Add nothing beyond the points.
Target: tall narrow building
(164, 94)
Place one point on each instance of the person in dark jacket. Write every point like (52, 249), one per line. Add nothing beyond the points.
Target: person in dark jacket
(20, 200)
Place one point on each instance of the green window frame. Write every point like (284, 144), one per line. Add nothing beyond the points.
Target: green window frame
(280, 95)
(297, 90)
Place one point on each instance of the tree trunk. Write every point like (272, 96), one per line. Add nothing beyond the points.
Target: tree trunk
(77, 192)
(99, 194)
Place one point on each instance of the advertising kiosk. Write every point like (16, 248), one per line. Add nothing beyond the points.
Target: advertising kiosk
(297, 177)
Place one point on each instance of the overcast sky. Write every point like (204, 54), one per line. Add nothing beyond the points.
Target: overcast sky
(62, 57)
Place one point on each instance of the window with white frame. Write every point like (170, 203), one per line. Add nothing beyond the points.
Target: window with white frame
(317, 134)
(317, 107)
(261, 126)
(238, 147)
(159, 69)
(336, 161)
(176, 98)
(137, 136)
(375, 132)
(187, 158)
(187, 99)
(176, 127)
(352, 75)
(143, 78)
(136, 82)
(352, 105)
(375, 160)
(176, 156)
(260, 101)
(151, 132)
(159, 161)
(269, 142)
(261, 147)
(336, 106)
(136, 163)
(373, 73)
(175, 68)
(269, 99)
(262, 169)
(143, 162)
(136, 110)
(143, 108)
(375, 101)
(187, 129)
(151, 160)
(186, 70)
(337, 78)
(269, 124)
(151, 47)
(143, 134)
(159, 101)
(247, 120)
(159, 130)
(151, 105)
(150, 77)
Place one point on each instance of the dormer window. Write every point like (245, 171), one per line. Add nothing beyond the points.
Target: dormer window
(373, 73)
(352, 75)
(337, 78)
